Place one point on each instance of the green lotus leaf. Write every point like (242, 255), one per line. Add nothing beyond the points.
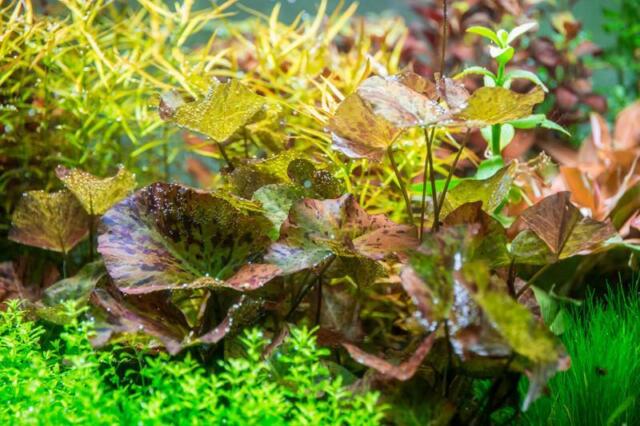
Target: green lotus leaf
(495, 105)
(277, 201)
(317, 229)
(225, 109)
(97, 195)
(53, 221)
(248, 177)
(560, 225)
(168, 236)
(491, 192)
(60, 302)
(518, 326)
(77, 288)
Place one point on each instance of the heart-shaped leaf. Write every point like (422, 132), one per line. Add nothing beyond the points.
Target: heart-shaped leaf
(559, 224)
(225, 109)
(400, 105)
(358, 132)
(494, 105)
(168, 236)
(491, 191)
(404, 107)
(97, 195)
(491, 236)
(53, 221)
(318, 229)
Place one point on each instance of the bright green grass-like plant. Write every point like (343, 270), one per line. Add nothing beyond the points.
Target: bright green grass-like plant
(63, 380)
(603, 385)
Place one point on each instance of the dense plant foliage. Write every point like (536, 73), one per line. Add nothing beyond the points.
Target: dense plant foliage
(339, 188)
(59, 379)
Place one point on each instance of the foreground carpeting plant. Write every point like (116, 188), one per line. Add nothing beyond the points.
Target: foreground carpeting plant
(61, 380)
(603, 385)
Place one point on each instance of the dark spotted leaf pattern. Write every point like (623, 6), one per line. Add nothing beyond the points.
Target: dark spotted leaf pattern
(168, 236)
(53, 221)
(318, 229)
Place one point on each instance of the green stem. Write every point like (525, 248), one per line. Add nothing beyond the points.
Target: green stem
(223, 152)
(92, 236)
(432, 178)
(495, 139)
(401, 185)
(425, 171)
(307, 287)
(65, 273)
(532, 280)
(450, 176)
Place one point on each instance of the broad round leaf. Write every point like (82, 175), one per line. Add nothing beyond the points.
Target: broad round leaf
(318, 229)
(168, 236)
(53, 221)
(225, 109)
(359, 133)
(95, 194)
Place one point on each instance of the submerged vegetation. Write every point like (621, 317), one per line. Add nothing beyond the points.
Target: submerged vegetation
(173, 177)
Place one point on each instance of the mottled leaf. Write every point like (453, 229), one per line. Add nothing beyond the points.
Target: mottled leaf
(494, 105)
(560, 225)
(399, 104)
(97, 195)
(491, 245)
(225, 109)
(517, 325)
(53, 221)
(317, 229)
(168, 236)
(276, 201)
(359, 133)
(491, 191)
(403, 371)
(76, 288)
(146, 317)
(9, 283)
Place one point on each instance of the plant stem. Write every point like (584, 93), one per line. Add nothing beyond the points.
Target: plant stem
(425, 170)
(443, 47)
(92, 236)
(532, 279)
(223, 152)
(64, 264)
(319, 301)
(495, 139)
(307, 287)
(450, 176)
(403, 188)
(432, 177)
(445, 385)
